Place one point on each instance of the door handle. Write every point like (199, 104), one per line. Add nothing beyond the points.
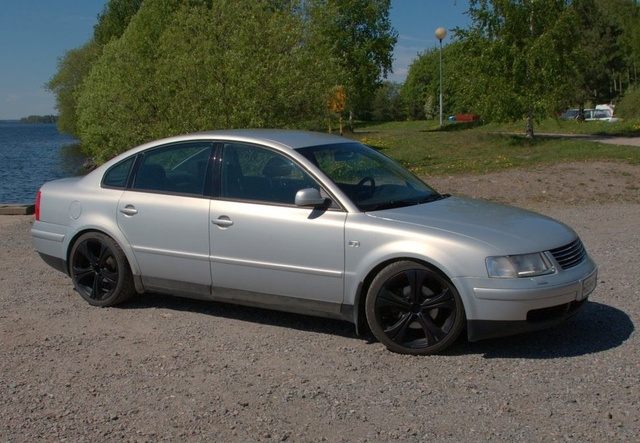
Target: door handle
(223, 221)
(129, 210)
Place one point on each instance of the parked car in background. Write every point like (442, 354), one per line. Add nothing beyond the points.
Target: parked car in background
(600, 113)
(314, 224)
(570, 114)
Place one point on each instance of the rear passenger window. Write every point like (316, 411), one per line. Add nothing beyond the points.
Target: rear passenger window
(258, 174)
(179, 168)
(117, 176)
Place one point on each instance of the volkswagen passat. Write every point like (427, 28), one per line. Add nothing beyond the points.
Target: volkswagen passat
(314, 224)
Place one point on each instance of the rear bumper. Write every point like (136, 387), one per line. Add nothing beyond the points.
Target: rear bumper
(55, 262)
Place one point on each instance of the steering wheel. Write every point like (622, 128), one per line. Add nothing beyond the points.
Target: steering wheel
(363, 191)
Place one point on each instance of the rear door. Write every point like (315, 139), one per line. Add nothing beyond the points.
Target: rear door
(165, 218)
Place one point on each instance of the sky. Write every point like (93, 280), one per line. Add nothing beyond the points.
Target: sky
(34, 34)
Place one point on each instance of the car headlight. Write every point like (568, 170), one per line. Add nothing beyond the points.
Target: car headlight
(519, 266)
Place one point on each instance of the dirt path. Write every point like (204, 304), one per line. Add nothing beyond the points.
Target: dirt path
(168, 369)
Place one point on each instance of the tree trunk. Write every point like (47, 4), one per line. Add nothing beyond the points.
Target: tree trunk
(581, 113)
(529, 130)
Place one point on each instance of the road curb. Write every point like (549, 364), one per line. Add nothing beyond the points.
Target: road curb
(17, 209)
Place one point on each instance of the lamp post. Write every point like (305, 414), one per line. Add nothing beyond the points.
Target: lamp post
(441, 33)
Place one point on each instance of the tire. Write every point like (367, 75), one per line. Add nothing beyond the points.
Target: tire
(100, 271)
(413, 309)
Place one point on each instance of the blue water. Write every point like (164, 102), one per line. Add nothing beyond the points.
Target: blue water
(31, 155)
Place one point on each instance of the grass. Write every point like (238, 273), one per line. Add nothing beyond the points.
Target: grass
(477, 148)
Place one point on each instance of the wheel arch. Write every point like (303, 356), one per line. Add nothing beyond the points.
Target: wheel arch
(360, 317)
(131, 262)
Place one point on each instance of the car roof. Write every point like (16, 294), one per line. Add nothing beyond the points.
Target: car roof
(293, 139)
(279, 138)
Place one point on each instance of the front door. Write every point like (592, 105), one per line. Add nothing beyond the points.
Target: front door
(269, 251)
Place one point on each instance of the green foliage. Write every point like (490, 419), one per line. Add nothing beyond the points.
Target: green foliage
(358, 34)
(629, 106)
(388, 104)
(114, 19)
(421, 90)
(520, 59)
(185, 66)
(39, 119)
(524, 59)
(599, 52)
(422, 83)
(625, 15)
(156, 68)
(73, 68)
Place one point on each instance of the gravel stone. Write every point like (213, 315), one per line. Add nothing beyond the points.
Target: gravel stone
(165, 369)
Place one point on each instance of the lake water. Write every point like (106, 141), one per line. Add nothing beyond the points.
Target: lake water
(31, 155)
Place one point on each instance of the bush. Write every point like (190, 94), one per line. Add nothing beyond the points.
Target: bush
(629, 106)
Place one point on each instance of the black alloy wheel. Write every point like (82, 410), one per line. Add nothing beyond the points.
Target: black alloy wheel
(100, 270)
(413, 309)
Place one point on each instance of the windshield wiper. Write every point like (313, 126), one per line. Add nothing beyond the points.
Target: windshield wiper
(403, 203)
(432, 197)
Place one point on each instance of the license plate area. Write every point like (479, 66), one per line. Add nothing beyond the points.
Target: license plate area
(588, 285)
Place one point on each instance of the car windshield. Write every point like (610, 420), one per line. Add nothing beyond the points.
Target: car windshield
(371, 180)
(570, 114)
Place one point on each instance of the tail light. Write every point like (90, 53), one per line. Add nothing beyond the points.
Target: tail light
(37, 210)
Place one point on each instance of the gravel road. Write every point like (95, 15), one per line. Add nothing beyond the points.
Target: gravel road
(168, 369)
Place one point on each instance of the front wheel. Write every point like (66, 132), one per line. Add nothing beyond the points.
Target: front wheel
(100, 271)
(413, 309)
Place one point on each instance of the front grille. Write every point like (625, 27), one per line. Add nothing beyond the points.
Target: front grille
(570, 255)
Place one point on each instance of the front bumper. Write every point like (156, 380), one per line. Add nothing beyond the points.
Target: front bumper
(538, 319)
(500, 307)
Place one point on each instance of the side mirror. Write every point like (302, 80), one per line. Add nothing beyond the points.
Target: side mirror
(310, 197)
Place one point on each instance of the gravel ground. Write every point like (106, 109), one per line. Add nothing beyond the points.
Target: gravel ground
(168, 369)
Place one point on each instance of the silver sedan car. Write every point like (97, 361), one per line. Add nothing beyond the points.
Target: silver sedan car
(314, 224)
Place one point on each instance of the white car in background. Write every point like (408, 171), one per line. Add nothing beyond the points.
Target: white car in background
(600, 113)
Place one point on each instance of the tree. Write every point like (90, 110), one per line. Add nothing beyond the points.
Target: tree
(114, 19)
(599, 53)
(387, 103)
(625, 15)
(421, 85)
(161, 67)
(357, 33)
(521, 57)
(73, 68)
(189, 65)
(421, 89)
(75, 65)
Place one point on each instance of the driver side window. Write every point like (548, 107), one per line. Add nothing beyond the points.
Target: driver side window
(257, 174)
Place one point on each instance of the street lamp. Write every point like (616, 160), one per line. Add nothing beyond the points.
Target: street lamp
(441, 33)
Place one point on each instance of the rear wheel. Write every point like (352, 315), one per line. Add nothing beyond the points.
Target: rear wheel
(100, 271)
(413, 309)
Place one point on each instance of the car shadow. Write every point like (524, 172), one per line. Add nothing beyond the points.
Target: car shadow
(596, 329)
(242, 313)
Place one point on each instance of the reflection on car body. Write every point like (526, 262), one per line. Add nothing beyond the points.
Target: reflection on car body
(315, 224)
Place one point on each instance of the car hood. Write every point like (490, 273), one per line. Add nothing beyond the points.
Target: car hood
(511, 230)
